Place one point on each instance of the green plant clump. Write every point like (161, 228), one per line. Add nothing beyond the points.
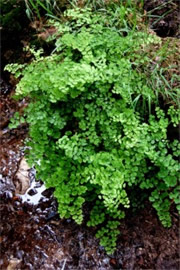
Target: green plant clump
(91, 133)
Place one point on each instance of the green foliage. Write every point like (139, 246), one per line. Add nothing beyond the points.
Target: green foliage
(108, 236)
(38, 7)
(87, 138)
(16, 120)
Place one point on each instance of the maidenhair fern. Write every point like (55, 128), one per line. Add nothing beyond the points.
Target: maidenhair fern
(86, 137)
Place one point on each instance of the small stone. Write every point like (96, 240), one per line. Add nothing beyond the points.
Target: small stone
(48, 192)
(32, 192)
(13, 264)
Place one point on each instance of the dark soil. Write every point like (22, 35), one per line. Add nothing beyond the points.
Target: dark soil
(164, 17)
(34, 242)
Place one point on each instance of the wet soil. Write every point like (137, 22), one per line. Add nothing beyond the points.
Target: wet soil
(35, 240)
(32, 236)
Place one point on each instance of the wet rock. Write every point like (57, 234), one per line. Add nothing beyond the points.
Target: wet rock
(20, 254)
(32, 192)
(48, 192)
(6, 187)
(51, 215)
(13, 264)
(38, 184)
(140, 251)
(22, 177)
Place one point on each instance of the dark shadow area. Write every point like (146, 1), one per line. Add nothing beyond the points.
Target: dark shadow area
(164, 17)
